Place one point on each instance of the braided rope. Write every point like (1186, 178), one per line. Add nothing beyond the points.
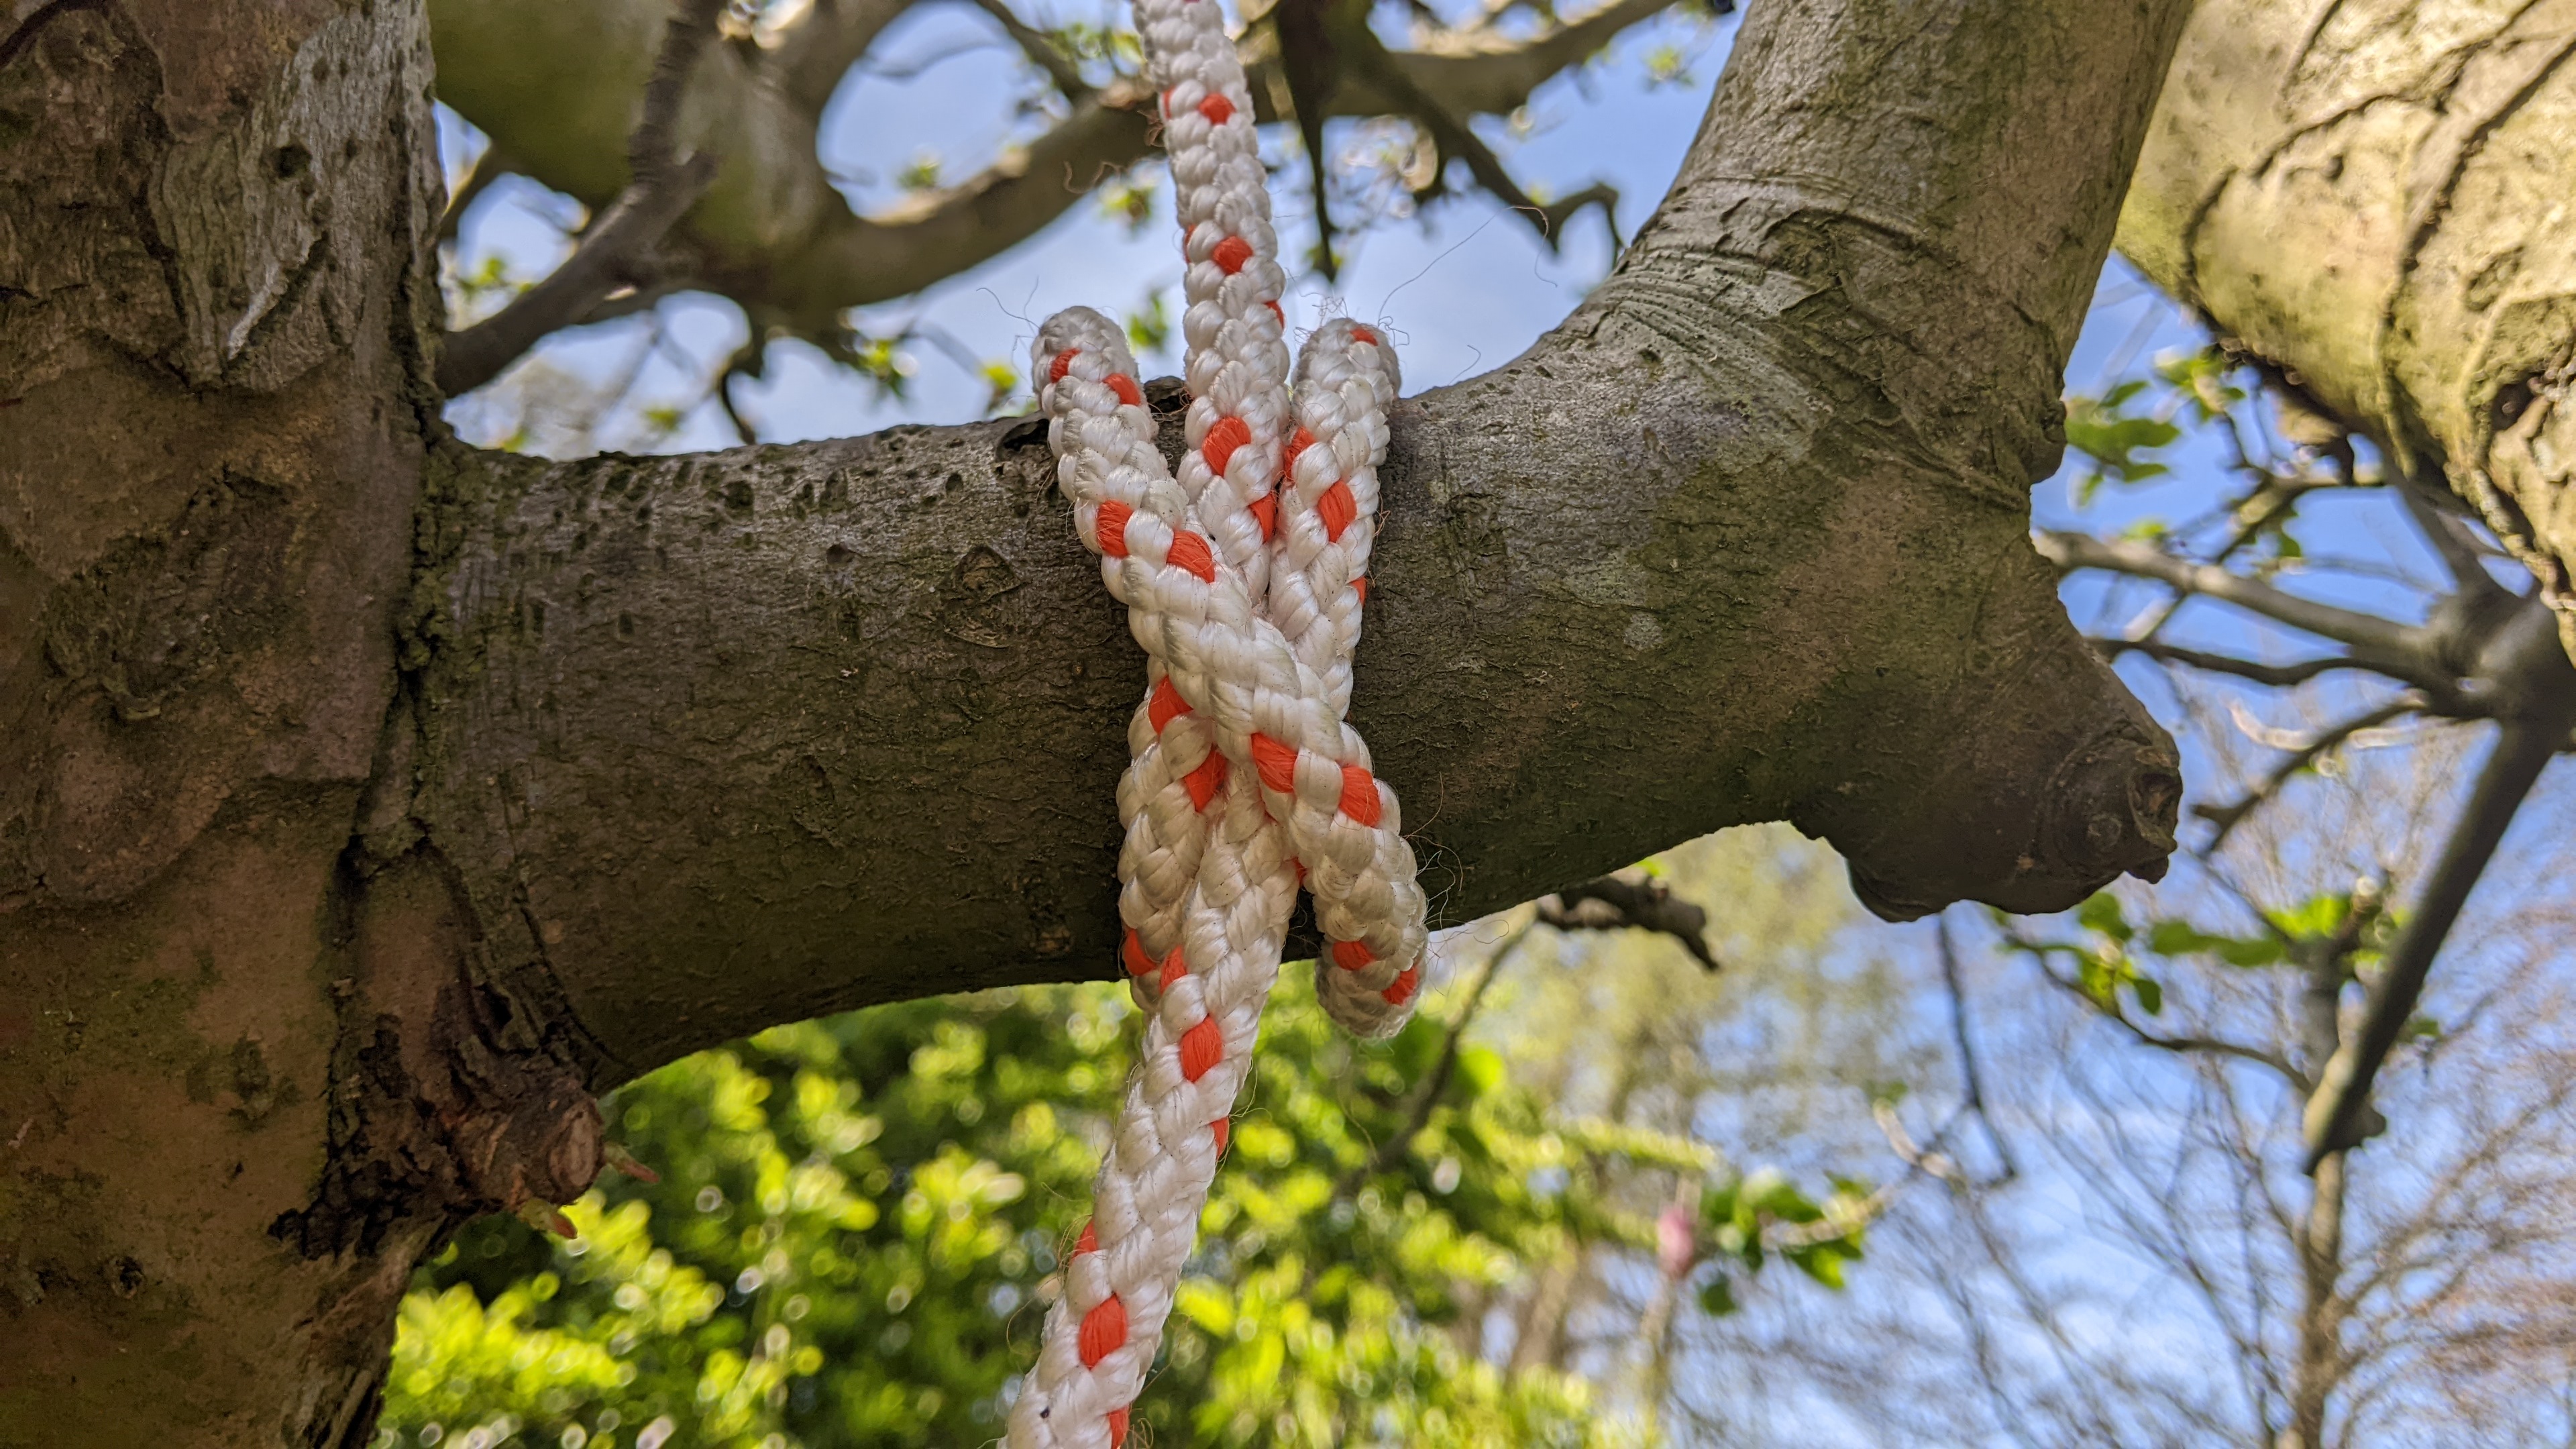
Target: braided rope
(1243, 781)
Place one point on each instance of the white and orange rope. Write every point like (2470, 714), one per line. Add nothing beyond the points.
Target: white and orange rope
(1245, 591)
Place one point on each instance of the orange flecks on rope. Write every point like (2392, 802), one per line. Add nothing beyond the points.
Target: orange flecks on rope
(1217, 109)
(1276, 762)
(1400, 990)
(1359, 795)
(1352, 955)
(1362, 334)
(1125, 386)
(1265, 511)
(1230, 254)
(1103, 1329)
(1189, 551)
(1226, 435)
(1222, 1129)
(1207, 781)
(1275, 312)
(1337, 508)
(1089, 1242)
(1113, 528)
(1063, 362)
(1167, 704)
(1202, 1046)
(1298, 442)
(1132, 955)
(1117, 1429)
(1174, 968)
(1361, 584)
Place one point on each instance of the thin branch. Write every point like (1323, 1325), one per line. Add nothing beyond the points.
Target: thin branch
(1041, 51)
(2228, 817)
(1625, 900)
(2280, 676)
(660, 187)
(489, 167)
(1392, 1150)
(2391, 648)
(1972, 1081)
(2523, 748)
(2178, 1045)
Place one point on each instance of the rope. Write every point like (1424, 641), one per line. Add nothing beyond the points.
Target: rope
(1243, 577)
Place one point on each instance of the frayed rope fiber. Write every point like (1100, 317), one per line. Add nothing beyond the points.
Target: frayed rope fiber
(1243, 578)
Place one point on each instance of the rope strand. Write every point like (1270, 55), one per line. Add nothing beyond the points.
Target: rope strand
(1243, 780)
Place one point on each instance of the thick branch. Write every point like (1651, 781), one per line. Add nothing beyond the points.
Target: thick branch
(719, 741)
(2363, 195)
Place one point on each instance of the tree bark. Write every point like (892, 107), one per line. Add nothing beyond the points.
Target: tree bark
(366, 800)
(2372, 198)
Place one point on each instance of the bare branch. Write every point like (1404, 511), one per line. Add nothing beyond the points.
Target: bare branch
(2394, 649)
(2228, 817)
(489, 167)
(2187, 1045)
(2280, 676)
(2523, 748)
(1630, 900)
(1392, 1150)
(660, 187)
(1041, 51)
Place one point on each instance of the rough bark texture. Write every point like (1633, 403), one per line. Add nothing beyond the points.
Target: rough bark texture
(2375, 199)
(365, 801)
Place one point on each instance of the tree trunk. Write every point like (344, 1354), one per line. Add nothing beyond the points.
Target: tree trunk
(2373, 198)
(365, 801)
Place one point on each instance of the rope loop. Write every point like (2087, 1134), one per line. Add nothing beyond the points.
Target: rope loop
(1245, 573)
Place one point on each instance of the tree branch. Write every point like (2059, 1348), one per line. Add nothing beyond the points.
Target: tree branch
(2186, 1045)
(2393, 649)
(714, 742)
(1040, 50)
(1629, 900)
(2228, 817)
(772, 232)
(2523, 748)
(611, 251)
(2279, 676)
(2459, 373)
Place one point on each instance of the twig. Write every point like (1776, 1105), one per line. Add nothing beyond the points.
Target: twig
(660, 187)
(2523, 748)
(1040, 50)
(1625, 901)
(2278, 675)
(2228, 817)
(1972, 1081)
(2393, 649)
(1392, 1150)
(489, 167)
(2179, 1045)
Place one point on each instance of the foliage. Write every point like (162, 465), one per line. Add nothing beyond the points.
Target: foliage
(857, 1220)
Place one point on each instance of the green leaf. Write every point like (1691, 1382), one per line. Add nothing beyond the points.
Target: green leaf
(2151, 995)
(2102, 913)
(1717, 1299)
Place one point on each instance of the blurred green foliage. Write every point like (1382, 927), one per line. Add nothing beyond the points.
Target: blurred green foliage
(857, 1216)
